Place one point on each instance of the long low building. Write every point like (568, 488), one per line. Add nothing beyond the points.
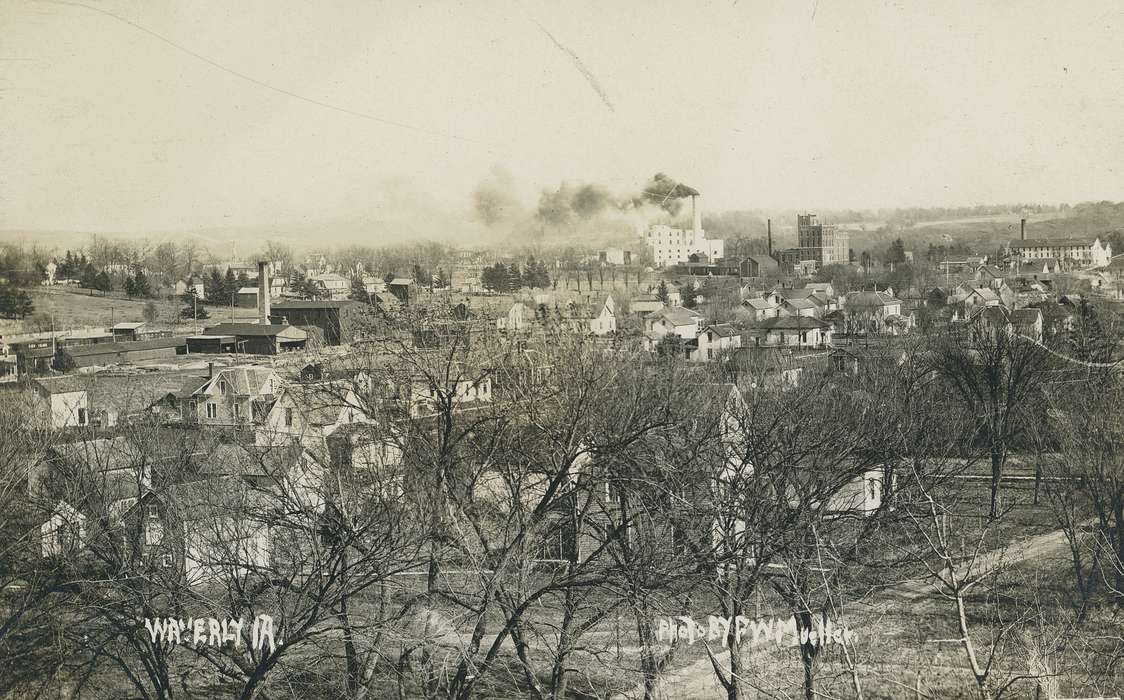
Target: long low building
(1084, 251)
(337, 320)
(249, 338)
(125, 352)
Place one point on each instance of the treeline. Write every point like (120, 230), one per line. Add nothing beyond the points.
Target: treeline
(504, 278)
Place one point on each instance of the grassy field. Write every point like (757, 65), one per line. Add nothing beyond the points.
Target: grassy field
(74, 308)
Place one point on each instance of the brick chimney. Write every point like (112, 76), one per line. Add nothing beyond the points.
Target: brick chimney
(264, 284)
(1022, 229)
(696, 214)
(769, 228)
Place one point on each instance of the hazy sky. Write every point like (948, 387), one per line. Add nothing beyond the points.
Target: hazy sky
(105, 125)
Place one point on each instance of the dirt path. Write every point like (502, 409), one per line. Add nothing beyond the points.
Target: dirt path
(697, 679)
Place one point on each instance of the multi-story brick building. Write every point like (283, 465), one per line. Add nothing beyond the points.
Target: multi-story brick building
(823, 243)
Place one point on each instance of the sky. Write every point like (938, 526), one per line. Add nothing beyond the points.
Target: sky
(150, 115)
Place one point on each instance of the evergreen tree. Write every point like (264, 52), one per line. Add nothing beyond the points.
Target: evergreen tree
(359, 289)
(141, 286)
(689, 295)
(102, 282)
(213, 287)
(229, 287)
(89, 278)
(14, 302)
(193, 308)
(661, 291)
(896, 253)
(130, 286)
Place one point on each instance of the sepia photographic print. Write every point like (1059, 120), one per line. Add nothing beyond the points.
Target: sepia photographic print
(634, 350)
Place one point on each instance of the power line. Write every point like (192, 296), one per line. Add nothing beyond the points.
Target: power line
(265, 85)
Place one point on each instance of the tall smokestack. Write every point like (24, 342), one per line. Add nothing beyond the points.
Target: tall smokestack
(769, 228)
(1022, 229)
(263, 291)
(696, 214)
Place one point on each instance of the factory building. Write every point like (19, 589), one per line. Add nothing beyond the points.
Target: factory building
(673, 245)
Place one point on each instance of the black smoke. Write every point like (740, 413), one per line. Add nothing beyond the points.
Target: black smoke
(666, 193)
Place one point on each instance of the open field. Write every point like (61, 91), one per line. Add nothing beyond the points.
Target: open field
(74, 308)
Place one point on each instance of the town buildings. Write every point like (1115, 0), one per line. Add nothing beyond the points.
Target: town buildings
(825, 244)
(674, 245)
(1081, 251)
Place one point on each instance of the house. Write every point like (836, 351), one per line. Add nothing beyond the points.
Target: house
(874, 312)
(465, 389)
(861, 495)
(1043, 266)
(824, 289)
(989, 275)
(759, 266)
(336, 287)
(714, 340)
(202, 530)
(517, 318)
(605, 320)
(758, 309)
(338, 321)
(310, 413)
(234, 397)
(673, 320)
(402, 288)
(246, 298)
(645, 304)
(792, 331)
(797, 306)
(1028, 322)
(65, 402)
(775, 367)
(1056, 318)
(252, 338)
(64, 533)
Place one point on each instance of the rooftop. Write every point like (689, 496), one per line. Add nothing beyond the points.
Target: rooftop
(1075, 241)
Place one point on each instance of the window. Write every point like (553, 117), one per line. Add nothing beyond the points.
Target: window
(237, 411)
(153, 513)
(69, 536)
(288, 417)
(81, 416)
(154, 533)
(222, 388)
(166, 561)
(212, 409)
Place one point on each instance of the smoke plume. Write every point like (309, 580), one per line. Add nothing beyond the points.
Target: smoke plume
(495, 199)
(666, 193)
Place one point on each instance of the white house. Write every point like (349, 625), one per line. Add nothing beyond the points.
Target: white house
(234, 396)
(875, 312)
(64, 532)
(605, 322)
(65, 402)
(714, 339)
(759, 309)
(793, 331)
(311, 412)
(517, 318)
(674, 320)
